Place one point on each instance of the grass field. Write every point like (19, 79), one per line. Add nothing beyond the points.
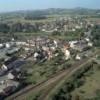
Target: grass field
(96, 20)
(92, 84)
(22, 20)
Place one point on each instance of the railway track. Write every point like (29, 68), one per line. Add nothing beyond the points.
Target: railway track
(21, 95)
(47, 92)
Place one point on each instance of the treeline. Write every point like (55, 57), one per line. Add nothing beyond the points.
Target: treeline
(33, 14)
(18, 27)
(29, 17)
(96, 35)
(36, 15)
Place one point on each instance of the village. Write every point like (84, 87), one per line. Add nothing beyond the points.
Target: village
(49, 49)
(16, 53)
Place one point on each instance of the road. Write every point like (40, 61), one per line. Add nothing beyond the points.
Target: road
(21, 95)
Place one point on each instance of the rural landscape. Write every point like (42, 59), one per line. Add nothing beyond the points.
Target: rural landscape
(50, 54)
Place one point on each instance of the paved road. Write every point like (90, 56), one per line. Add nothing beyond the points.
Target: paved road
(21, 95)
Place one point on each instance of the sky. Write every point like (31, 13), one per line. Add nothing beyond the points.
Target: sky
(13, 5)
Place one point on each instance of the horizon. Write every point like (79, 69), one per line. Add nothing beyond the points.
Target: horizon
(23, 5)
(4, 12)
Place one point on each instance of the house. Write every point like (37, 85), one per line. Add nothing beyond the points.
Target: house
(81, 45)
(72, 43)
(3, 70)
(78, 57)
(78, 27)
(90, 44)
(67, 54)
(20, 43)
(1, 45)
(7, 45)
(12, 50)
(36, 55)
(66, 51)
(8, 86)
(55, 43)
(3, 55)
(10, 76)
(10, 60)
(88, 34)
(50, 54)
(87, 39)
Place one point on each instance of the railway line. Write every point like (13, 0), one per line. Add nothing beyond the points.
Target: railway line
(21, 95)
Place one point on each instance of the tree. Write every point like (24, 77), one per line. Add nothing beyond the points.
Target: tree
(96, 35)
(56, 33)
(4, 28)
(17, 27)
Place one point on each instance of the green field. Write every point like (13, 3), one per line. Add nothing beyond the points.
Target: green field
(95, 20)
(83, 85)
(92, 84)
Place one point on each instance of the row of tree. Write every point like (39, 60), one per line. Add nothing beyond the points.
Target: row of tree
(96, 35)
(74, 82)
(18, 27)
(29, 17)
